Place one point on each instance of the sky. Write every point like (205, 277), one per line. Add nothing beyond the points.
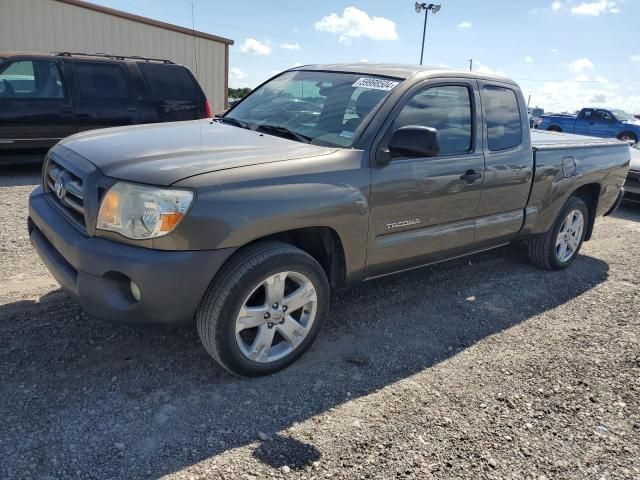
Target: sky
(566, 54)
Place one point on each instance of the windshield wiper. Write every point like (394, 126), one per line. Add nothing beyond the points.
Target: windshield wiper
(233, 121)
(283, 132)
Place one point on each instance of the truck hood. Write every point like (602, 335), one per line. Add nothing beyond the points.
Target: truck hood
(164, 153)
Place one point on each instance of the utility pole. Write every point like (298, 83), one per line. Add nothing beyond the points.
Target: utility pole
(426, 7)
(471, 64)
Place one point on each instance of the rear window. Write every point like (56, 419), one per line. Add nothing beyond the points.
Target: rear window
(504, 128)
(101, 81)
(168, 82)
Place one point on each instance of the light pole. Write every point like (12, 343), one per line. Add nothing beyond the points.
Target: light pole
(426, 7)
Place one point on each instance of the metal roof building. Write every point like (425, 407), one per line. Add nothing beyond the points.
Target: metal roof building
(78, 26)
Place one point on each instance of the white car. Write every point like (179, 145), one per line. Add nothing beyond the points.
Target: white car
(632, 185)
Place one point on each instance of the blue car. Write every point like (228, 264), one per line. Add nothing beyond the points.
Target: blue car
(595, 122)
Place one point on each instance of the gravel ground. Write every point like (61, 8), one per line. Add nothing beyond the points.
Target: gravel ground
(479, 368)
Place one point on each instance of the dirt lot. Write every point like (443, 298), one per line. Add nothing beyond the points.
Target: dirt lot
(480, 368)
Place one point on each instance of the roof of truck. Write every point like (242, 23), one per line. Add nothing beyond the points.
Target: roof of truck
(403, 71)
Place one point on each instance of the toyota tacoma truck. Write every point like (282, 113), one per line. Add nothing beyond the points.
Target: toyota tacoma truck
(596, 122)
(323, 177)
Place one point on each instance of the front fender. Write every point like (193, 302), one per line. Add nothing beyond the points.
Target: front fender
(239, 206)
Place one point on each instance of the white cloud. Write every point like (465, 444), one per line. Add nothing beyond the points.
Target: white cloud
(237, 78)
(557, 5)
(601, 79)
(365, 60)
(554, 50)
(580, 65)
(255, 47)
(356, 23)
(237, 74)
(595, 8)
(290, 46)
(481, 68)
(298, 64)
(465, 25)
(528, 59)
(582, 78)
(572, 95)
(635, 58)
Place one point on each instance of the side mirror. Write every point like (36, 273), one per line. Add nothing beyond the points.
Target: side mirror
(414, 141)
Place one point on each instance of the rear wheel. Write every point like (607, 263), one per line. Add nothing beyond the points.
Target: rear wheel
(629, 137)
(264, 309)
(559, 247)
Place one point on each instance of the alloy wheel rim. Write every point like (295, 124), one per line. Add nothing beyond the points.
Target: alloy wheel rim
(569, 236)
(276, 317)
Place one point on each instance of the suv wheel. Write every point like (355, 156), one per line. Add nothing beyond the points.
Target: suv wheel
(559, 247)
(264, 309)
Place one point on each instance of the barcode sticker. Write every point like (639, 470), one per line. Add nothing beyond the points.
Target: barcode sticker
(375, 83)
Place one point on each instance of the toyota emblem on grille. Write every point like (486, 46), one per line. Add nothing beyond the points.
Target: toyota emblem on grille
(59, 188)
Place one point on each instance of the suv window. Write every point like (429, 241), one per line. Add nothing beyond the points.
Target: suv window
(445, 108)
(168, 82)
(31, 79)
(504, 127)
(101, 81)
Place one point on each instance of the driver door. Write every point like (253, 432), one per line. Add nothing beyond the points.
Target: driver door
(424, 209)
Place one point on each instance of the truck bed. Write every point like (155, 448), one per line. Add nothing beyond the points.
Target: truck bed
(545, 140)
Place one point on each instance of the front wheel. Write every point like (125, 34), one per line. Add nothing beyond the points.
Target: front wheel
(559, 247)
(264, 309)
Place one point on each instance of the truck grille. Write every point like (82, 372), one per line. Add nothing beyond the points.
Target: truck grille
(66, 189)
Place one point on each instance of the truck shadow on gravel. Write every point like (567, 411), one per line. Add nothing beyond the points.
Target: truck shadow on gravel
(87, 399)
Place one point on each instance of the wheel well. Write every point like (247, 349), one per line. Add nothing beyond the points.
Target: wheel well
(628, 132)
(554, 128)
(323, 244)
(590, 194)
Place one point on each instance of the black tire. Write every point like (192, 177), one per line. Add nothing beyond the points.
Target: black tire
(542, 248)
(216, 315)
(553, 128)
(628, 136)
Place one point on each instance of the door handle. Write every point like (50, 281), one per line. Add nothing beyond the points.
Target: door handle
(470, 176)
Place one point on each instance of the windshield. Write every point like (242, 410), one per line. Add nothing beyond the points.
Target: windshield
(622, 115)
(325, 108)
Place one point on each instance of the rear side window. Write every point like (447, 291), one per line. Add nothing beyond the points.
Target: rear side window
(168, 82)
(504, 127)
(101, 81)
(31, 79)
(445, 108)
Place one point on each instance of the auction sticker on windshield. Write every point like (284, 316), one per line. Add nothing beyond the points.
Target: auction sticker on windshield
(375, 83)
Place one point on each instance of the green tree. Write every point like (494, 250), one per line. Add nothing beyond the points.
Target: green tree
(239, 92)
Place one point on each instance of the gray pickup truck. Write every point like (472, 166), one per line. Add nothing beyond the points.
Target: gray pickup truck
(321, 178)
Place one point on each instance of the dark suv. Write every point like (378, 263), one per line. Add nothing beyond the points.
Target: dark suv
(46, 97)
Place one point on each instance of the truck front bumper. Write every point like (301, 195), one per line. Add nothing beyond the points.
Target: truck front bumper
(632, 184)
(105, 277)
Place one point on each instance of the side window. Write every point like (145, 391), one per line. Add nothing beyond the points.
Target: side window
(445, 108)
(504, 127)
(586, 114)
(97, 81)
(605, 116)
(38, 79)
(168, 82)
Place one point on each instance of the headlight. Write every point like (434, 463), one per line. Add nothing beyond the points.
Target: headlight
(141, 212)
